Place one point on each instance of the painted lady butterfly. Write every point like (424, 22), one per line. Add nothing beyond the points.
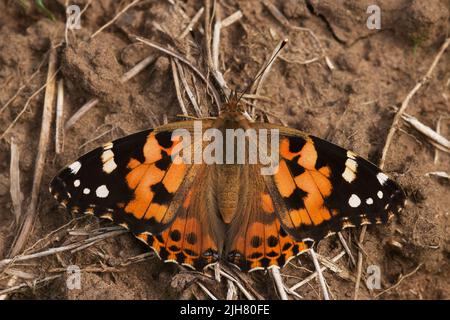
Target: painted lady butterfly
(198, 214)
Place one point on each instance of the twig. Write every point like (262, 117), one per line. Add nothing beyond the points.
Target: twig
(72, 246)
(188, 90)
(346, 248)
(442, 143)
(24, 85)
(360, 261)
(440, 174)
(438, 130)
(239, 285)
(279, 283)
(14, 176)
(137, 68)
(228, 21)
(231, 290)
(59, 132)
(26, 104)
(405, 102)
(400, 280)
(24, 285)
(47, 115)
(80, 112)
(208, 293)
(285, 23)
(319, 274)
(176, 81)
(315, 274)
(114, 19)
(192, 23)
(185, 61)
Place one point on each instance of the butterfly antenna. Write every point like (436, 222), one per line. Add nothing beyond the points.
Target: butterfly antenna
(265, 68)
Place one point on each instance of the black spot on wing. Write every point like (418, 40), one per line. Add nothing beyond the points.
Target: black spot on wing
(164, 139)
(295, 200)
(294, 168)
(162, 196)
(296, 144)
(164, 162)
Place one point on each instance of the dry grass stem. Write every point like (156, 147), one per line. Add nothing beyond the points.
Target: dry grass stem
(279, 283)
(14, 176)
(205, 290)
(442, 143)
(346, 248)
(360, 261)
(106, 25)
(286, 24)
(188, 90)
(59, 128)
(73, 246)
(10, 100)
(232, 293)
(323, 285)
(138, 68)
(315, 274)
(25, 107)
(47, 115)
(210, 87)
(176, 82)
(228, 21)
(192, 23)
(80, 112)
(400, 280)
(238, 284)
(25, 285)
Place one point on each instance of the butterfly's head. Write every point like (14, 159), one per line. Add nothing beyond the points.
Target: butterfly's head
(233, 105)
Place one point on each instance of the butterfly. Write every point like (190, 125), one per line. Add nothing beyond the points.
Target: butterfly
(197, 214)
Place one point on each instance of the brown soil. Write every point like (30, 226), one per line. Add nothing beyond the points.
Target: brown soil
(352, 105)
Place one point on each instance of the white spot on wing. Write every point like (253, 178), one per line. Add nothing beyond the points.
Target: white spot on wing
(382, 178)
(354, 201)
(109, 165)
(76, 183)
(369, 201)
(348, 175)
(380, 194)
(108, 146)
(102, 191)
(75, 167)
(86, 191)
(351, 155)
(350, 170)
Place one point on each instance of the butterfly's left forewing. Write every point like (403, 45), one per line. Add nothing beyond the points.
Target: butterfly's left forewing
(134, 182)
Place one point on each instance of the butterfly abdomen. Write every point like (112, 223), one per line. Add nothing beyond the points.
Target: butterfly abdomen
(228, 186)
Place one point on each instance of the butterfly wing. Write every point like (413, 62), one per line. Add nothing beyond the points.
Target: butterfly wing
(256, 239)
(320, 188)
(195, 238)
(134, 182)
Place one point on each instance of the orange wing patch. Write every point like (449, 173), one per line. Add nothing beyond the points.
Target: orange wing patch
(303, 187)
(264, 245)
